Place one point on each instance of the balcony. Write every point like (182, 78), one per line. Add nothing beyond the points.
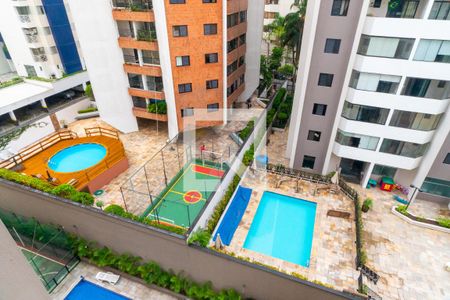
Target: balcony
(146, 35)
(40, 57)
(400, 9)
(131, 43)
(25, 18)
(146, 94)
(143, 70)
(133, 11)
(133, 5)
(143, 113)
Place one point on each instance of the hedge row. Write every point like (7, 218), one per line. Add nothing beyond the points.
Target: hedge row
(150, 272)
(119, 211)
(63, 190)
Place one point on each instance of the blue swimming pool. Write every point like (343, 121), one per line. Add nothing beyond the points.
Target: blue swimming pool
(86, 290)
(283, 227)
(77, 158)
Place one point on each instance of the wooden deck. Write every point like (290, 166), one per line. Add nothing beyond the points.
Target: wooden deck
(33, 160)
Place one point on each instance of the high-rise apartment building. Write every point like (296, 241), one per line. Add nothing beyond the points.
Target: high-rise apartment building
(179, 56)
(372, 94)
(274, 8)
(40, 38)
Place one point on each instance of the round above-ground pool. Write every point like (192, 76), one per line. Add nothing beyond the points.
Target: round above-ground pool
(77, 158)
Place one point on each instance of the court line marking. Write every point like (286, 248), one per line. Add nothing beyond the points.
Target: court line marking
(195, 171)
(39, 255)
(176, 192)
(162, 198)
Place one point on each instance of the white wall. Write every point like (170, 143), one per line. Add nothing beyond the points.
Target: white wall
(255, 18)
(97, 33)
(68, 114)
(4, 65)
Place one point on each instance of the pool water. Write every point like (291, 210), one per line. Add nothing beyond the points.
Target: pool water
(77, 158)
(86, 290)
(283, 227)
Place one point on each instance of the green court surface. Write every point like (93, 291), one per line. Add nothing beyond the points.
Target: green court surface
(45, 268)
(184, 197)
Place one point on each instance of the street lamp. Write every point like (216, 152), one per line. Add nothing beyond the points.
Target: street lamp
(413, 194)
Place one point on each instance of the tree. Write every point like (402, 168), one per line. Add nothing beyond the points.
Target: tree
(274, 32)
(286, 70)
(293, 29)
(275, 59)
(265, 71)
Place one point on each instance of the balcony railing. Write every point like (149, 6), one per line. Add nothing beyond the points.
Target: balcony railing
(146, 35)
(130, 59)
(134, 5)
(24, 18)
(40, 57)
(32, 38)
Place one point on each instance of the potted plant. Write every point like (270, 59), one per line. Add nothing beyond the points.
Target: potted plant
(367, 204)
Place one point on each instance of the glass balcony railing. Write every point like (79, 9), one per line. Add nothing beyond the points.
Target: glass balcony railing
(146, 35)
(134, 5)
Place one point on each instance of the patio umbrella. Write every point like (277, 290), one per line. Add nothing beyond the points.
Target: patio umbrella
(219, 243)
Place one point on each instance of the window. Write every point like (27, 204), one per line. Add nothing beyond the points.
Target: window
(212, 84)
(212, 107)
(325, 79)
(340, 7)
(440, 10)
(403, 148)
(365, 113)
(376, 3)
(436, 186)
(177, 1)
(241, 79)
(150, 57)
(308, 162)
(241, 60)
(209, 1)
(187, 112)
(319, 109)
(135, 81)
(233, 87)
(182, 61)
(384, 171)
(232, 20)
(154, 83)
(447, 159)
(426, 88)
(53, 50)
(180, 30)
(414, 120)
(389, 47)
(231, 45)
(232, 67)
(185, 88)
(374, 82)
(211, 58)
(433, 50)
(332, 46)
(356, 140)
(242, 16)
(441, 84)
(31, 71)
(404, 9)
(314, 135)
(210, 29)
(23, 10)
(242, 39)
(40, 10)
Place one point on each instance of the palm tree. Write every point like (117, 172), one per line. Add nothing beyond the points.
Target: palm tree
(274, 32)
(293, 29)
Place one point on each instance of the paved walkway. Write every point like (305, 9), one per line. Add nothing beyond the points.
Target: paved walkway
(409, 259)
(125, 287)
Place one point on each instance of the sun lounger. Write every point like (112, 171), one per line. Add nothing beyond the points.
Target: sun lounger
(72, 182)
(107, 277)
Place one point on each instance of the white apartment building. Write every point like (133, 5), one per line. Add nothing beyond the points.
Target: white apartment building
(373, 91)
(167, 60)
(49, 86)
(272, 8)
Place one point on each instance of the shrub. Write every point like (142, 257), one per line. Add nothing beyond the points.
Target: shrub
(245, 133)
(83, 198)
(89, 92)
(278, 98)
(99, 204)
(150, 271)
(115, 210)
(444, 222)
(64, 190)
(159, 107)
(87, 110)
(367, 204)
(26, 180)
(286, 70)
(220, 208)
(11, 82)
(401, 209)
(282, 116)
(249, 155)
(201, 237)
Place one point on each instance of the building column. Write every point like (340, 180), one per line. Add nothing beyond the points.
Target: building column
(140, 57)
(84, 84)
(12, 116)
(135, 33)
(144, 82)
(367, 173)
(427, 10)
(43, 103)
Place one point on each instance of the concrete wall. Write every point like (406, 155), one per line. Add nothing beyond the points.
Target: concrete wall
(169, 250)
(17, 278)
(32, 135)
(69, 113)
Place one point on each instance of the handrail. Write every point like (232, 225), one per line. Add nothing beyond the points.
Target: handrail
(37, 147)
(95, 131)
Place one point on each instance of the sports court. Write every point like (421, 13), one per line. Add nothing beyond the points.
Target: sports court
(186, 194)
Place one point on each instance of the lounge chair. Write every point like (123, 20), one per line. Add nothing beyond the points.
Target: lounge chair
(72, 182)
(107, 277)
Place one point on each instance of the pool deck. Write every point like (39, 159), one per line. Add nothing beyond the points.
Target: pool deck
(37, 164)
(125, 287)
(333, 249)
